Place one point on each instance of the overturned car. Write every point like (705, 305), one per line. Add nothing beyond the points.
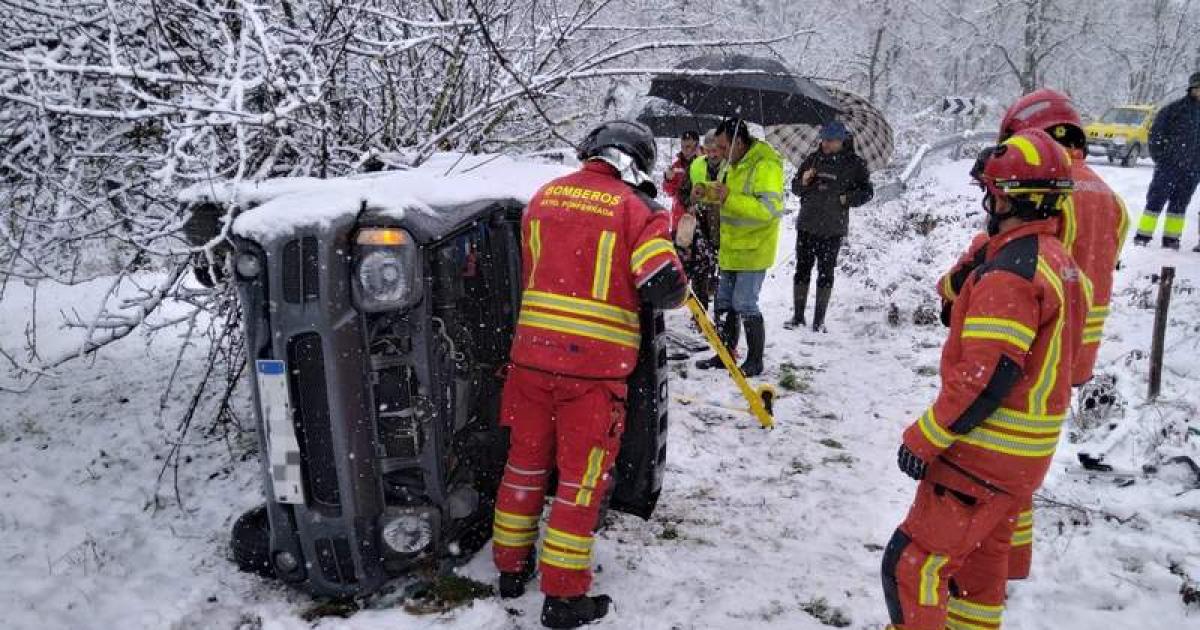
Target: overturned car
(378, 313)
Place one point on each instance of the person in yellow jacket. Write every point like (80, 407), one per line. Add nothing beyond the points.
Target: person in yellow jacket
(750, 194)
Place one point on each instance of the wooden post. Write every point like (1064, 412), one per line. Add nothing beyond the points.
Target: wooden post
(1165, 281)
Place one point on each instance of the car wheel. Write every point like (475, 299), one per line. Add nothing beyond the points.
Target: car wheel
(1131, 156)
(251, 543)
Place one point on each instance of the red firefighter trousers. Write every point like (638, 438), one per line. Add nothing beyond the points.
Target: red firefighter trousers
(947, 565)
(574, 425)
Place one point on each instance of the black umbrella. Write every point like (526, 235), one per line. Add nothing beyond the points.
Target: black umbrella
(759, 90)
(668, 120)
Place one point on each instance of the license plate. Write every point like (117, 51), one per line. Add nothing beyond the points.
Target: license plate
(282, 447)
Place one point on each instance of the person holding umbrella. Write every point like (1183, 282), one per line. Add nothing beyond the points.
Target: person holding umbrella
(751, 201)
(829, 182)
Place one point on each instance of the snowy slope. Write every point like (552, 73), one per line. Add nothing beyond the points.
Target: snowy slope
(753, 527)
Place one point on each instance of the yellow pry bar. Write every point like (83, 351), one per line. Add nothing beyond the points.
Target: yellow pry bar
(710, 333)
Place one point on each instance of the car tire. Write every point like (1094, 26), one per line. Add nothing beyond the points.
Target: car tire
(1131, 156)
(251, 543)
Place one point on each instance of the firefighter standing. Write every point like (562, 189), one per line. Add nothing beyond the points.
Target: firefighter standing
(1092, 229)
(594, 246)
(984, 446)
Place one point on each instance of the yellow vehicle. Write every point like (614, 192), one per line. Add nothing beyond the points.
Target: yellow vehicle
(1122, 133)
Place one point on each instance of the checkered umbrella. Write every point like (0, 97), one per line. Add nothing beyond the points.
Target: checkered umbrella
(873, 139)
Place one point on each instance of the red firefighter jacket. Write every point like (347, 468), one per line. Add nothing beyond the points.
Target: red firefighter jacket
(1015, 328)
(1093, 230)
(679, 188)
(588, 242)
(1101, 224)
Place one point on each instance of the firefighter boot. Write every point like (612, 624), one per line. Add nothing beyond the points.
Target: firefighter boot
(799, 302)
(572, 612)
(729, 327)
(823, 295)
(756, 338)
(512, 584)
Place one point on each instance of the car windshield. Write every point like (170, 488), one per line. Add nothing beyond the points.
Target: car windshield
(1122, 116)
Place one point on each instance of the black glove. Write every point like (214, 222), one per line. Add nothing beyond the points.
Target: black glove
(912, 465)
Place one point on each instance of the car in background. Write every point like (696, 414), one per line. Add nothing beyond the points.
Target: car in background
(1122, 133)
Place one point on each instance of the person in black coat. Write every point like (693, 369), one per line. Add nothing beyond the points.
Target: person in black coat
(829, 182)
(1175, 147)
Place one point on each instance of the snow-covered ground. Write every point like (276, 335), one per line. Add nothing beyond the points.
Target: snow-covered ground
(755, 529)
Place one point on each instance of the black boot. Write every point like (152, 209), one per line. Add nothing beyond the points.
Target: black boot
(729, 329)
(1170, 243)
(756, 338)
(1196, 249)
(823, 295)
(572, 612)
(1140, 240)
(799, 302)
(512, 585)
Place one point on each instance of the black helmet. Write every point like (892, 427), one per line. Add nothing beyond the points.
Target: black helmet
(631, 138)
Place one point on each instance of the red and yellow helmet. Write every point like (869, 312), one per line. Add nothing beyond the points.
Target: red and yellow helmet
(1028, 165)
(1048, 110)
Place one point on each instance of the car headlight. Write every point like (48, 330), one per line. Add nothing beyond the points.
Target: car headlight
(407, 531)
(248, 265)
(387, 274)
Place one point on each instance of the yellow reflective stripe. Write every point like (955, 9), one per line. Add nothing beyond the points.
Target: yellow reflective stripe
(1026, 148)
(948, 291)
(648, 250)
(1025, 519)
(1021, 539)
(516, 521)
(934, 432)
(569, 541)
(1089, 293)
(931, 580)
(1173, 225)
(508, 539)
(1011, 444)
(997, 329)
(580, 306)
(562, 562)
(1028, 423)
(604, 250)
(1123, 223)
(590, 476)
(955, 624)
(1070, 227)
(571, 326)
(1148, 223)
(976, 612)
(535, 246)
(1039, 394)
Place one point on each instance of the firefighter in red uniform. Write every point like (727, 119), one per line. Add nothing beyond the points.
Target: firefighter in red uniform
(595, 245)
(984, 446)
(1093, 230)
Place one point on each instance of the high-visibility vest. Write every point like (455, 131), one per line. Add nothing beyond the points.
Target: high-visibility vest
(751, 213)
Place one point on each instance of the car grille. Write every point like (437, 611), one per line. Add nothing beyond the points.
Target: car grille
(301, 265)
(312, 420)
(333, 555)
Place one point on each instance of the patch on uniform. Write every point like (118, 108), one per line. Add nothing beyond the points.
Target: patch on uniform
(1060, 131)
